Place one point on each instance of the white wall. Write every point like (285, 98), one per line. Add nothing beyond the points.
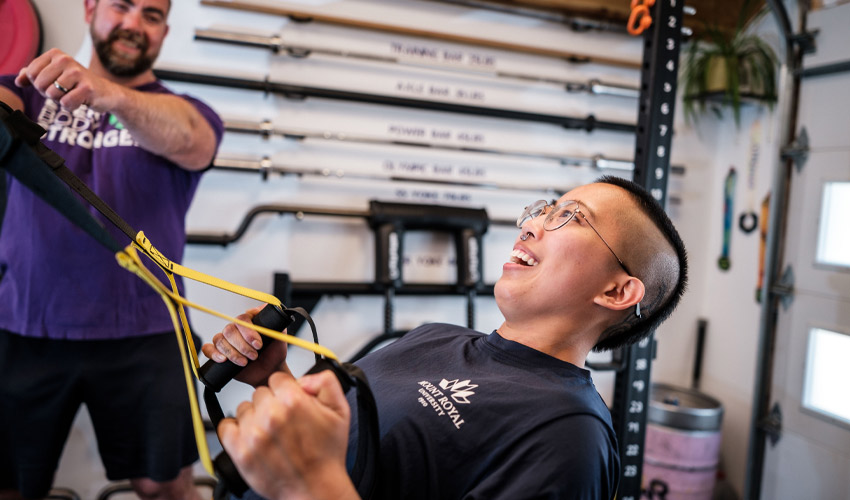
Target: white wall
(319, 250)
(727, 299)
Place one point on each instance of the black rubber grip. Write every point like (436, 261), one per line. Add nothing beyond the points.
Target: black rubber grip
(216, 375)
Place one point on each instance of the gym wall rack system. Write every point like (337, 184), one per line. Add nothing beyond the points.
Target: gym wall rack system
(291, 91)
(366, 20)
(279, 83)
(422, 156)
(277, 45)
(264, 166)
(267, 128)
(389, 222)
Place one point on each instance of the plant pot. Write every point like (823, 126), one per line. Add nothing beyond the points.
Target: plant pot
(715, 77)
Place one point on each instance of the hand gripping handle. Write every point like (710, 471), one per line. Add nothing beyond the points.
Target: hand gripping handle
(230, 481)
(217, 375)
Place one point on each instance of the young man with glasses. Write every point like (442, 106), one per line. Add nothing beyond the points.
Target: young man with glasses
(510, 415)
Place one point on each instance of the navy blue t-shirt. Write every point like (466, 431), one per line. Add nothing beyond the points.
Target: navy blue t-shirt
(464, 415)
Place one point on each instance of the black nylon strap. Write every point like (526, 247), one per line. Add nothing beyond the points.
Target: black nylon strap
(24, 129)
(304, 314)
(29, 161)
(364, 472)
(83, 190)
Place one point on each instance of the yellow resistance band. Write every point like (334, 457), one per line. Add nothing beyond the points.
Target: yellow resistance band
(129, 259)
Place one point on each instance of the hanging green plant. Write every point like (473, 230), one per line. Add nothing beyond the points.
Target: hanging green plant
(726, 69)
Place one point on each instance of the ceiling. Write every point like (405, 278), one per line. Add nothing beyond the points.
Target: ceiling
(721, 13)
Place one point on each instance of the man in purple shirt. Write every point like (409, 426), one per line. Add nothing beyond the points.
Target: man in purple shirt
(75, 328)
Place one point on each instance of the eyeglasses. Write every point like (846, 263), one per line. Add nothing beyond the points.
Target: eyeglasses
(559, 217)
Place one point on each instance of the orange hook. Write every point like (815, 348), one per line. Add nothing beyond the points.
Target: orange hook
(639, 19)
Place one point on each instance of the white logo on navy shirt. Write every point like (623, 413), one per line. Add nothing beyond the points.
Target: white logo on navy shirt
(460, 390)
(444, 405)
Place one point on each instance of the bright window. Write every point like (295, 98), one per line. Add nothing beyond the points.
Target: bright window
(834, 237)
(827, 374)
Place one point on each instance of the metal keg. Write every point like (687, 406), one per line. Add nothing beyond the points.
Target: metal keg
(682, 449)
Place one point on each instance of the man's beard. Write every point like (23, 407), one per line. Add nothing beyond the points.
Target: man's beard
(115, 62)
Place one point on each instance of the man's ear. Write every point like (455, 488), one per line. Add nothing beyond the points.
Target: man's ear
(621, 294)
(89, 6)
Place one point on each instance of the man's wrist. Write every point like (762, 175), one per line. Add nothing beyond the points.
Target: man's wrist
(110, 98)
(332, 483)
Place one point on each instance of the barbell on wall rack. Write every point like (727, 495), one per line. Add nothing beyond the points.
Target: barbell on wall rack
(588, 123)
(265, 165)
(267, 128)
(277, 45)
(299, 211)
(304, 13)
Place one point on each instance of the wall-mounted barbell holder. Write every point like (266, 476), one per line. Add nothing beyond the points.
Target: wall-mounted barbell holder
(277, 45)
(588, 123)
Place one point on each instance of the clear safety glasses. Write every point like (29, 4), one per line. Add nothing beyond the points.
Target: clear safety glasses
(559, 217)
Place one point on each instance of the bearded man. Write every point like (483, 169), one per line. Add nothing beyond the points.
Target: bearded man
(74, 327)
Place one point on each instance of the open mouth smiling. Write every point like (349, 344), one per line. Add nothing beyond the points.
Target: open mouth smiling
(522, 258)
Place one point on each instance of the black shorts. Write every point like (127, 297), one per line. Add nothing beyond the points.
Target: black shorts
(134, 390)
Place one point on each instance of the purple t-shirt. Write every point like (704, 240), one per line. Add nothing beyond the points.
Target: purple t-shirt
(59, 283)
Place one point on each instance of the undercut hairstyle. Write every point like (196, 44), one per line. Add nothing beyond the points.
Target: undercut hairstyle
(635, 329)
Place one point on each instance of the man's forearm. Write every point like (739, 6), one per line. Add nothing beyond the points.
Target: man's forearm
(164, 124)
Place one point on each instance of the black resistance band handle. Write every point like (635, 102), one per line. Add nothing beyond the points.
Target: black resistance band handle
(216, 375)
(230, 481)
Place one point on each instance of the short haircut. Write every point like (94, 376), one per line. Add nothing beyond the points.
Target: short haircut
(643, 327)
